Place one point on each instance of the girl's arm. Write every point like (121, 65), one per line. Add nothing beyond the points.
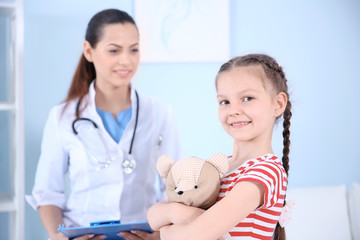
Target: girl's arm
(244, 198)
(165, 213)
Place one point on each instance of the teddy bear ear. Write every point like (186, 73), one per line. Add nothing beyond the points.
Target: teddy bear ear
(164, 164)
(220, 161)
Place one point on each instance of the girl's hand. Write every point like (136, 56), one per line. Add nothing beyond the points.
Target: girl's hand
(167, 232)
(140, 235)
(183, 214)
(165, 213)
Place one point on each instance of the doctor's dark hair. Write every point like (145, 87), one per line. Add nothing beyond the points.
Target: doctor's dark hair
(85, 71)
(276, 77)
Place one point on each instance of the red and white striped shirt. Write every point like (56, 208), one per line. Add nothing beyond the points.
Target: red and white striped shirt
(268, 171)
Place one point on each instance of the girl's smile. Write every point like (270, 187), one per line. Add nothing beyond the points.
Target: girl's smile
(239, 124)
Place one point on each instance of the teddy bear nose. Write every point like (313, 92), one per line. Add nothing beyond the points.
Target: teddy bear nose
(180, 192)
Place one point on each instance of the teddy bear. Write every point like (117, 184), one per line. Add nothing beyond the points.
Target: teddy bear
(193, 181)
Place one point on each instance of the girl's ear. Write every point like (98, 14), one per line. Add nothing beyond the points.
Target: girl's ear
(87, 51)
(280, 104)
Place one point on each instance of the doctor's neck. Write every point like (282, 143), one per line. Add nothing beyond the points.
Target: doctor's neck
(113, 100)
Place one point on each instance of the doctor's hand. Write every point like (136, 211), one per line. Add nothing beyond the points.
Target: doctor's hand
(91, 236)
(57, 236)
(140, 235)
(60, 236)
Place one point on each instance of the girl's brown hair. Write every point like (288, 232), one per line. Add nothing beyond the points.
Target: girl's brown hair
(85, 71)
(276, 76)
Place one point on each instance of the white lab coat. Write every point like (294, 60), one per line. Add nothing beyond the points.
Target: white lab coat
(107, 194)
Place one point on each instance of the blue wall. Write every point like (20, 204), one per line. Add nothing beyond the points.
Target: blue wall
(317, 42)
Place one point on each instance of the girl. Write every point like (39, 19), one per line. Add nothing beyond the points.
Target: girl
(105, 136)
(252, 94)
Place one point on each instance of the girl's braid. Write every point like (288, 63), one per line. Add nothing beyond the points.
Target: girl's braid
(286, 136)
(276, 75)
(279, 82)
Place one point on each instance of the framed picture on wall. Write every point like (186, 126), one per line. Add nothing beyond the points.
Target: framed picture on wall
(183, 31)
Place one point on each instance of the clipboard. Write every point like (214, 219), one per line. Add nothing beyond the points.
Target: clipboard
(109, 228)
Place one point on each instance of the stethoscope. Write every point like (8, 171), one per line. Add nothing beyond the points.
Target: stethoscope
(129, 163)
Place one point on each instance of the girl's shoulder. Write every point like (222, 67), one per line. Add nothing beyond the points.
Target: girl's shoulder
(264, 159)
(262, 162)
(266, 170)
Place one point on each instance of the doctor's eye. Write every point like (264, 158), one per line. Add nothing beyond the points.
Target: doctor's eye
(113, 51)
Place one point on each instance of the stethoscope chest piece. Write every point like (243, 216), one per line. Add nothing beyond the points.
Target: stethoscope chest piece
(128, 165)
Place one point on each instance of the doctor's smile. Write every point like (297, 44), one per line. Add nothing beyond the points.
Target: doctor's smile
(123, 73)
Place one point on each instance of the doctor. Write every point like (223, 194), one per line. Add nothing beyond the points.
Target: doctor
(105, 136)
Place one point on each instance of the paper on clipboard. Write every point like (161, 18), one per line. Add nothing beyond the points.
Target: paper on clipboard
(108, 228)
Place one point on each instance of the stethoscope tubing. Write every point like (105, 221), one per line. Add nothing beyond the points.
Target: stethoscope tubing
(136, 121)
(82, 119)
(96, 126)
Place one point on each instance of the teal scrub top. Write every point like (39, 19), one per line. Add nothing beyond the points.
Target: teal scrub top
(115, 127)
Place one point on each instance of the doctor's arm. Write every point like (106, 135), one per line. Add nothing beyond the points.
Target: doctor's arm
(170, 142)
(48, 192)
(47, 195)
(52, 217)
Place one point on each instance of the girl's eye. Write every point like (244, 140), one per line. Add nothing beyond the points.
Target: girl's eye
(247, 99)
(135, 50)
(224, 102)
(113, 51)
